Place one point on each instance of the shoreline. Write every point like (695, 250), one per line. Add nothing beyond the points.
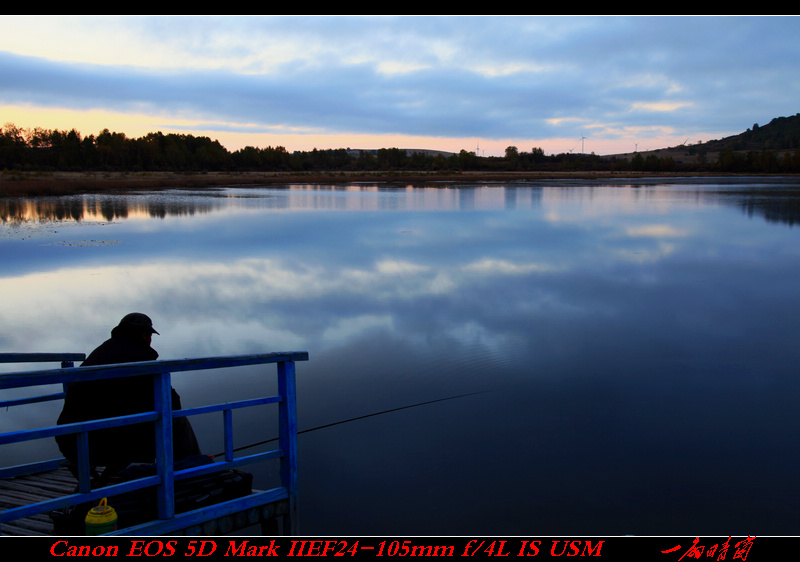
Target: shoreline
(31, 184)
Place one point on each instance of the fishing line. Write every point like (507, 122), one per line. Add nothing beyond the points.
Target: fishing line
(356, 418)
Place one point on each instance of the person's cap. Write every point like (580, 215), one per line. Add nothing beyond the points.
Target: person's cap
(138, 321)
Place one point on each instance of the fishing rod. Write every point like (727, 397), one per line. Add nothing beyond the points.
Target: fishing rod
(357, 418)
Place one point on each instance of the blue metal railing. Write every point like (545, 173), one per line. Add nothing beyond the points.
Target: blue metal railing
(66, 360)
(162, 415)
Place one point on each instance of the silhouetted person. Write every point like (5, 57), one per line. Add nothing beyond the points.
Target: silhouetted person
(116, 448)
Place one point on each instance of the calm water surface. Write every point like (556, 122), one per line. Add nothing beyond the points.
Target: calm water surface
(633, 346)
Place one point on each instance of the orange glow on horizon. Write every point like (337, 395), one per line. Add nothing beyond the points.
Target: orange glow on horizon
(93, 122)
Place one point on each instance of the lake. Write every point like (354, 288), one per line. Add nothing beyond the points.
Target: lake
(620, 356)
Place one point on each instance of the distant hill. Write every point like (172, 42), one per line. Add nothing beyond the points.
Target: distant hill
(780, 135)
(409, 151)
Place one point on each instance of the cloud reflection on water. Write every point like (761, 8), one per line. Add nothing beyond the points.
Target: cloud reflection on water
(615, 326)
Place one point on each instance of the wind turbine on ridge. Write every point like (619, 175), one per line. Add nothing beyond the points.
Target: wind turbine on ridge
(582, 139)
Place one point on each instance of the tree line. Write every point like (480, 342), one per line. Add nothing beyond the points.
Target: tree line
(53, 150)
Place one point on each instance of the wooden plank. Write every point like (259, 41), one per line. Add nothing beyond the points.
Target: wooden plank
(64, 485)
(24, 498)
(43, 486)
(47, 484)
(30, 526)
(24, 490)
(38, 526)
(224, 518)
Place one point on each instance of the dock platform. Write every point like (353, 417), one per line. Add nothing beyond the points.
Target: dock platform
(30, 493)
(23, 490)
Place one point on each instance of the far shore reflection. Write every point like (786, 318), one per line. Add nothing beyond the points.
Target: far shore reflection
(775, 202)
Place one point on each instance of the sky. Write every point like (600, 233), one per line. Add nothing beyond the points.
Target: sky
(603, 85)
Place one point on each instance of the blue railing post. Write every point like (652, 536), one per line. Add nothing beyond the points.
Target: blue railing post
(227, 424)
(162, 387)
(84, 470)
(287, 414)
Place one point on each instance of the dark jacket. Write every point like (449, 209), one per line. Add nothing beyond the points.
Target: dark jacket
(91, 400)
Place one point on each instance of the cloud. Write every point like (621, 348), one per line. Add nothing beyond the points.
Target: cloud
(531, 78)
(656, 231)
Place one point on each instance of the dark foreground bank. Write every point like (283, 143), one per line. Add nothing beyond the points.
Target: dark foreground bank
(65, 183)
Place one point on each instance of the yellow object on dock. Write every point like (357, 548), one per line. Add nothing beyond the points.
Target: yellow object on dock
(101, 519)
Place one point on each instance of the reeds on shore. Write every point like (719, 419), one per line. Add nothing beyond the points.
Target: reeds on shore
(30, 184)
(33, 185)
